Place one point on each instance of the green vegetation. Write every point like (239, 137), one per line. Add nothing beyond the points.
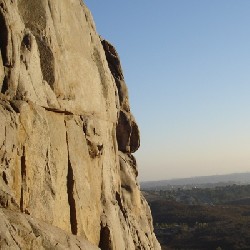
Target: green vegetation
(198, 196)
(217, 220)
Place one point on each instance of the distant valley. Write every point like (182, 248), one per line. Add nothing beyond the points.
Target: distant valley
(207, 212)
(199, 182)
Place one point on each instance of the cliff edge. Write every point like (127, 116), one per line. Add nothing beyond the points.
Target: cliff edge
(67, 173)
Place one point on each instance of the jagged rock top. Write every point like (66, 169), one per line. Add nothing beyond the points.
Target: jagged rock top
(66, 134)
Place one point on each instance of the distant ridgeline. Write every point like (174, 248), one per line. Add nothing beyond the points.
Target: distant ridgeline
(201, 182)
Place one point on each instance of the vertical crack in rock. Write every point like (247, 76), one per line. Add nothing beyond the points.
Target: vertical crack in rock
(12, 235)
(23, 177)
(105, 238)
(3, 39)
(118, 198)
(71, 199)
(5, 85)
(5, 178)
(48, 176)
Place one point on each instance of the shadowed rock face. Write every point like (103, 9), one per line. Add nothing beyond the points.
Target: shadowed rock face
(127, 132)
(67, 173)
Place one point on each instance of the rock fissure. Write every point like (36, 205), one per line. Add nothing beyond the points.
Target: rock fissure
(3, 38)
(70, 191)
(16, 242)
(48, 176)
(105, 238)
(14, 107)
(5, 85)
(71, 199)
(23, 179)
(119, 201)
(83, 114)
(5, 178)
(58, 111)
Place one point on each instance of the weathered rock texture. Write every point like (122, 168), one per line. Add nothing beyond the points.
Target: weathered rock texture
(67, 175)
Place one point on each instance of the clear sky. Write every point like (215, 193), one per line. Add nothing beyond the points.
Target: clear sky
(187, 67)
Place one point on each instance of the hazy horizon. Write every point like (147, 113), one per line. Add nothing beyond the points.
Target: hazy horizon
(186, 64)
(199, 176)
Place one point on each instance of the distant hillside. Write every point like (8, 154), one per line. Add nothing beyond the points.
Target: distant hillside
(245, 201)
(200, 181)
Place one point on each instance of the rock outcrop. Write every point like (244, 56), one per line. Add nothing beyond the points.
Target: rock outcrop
(67, 173)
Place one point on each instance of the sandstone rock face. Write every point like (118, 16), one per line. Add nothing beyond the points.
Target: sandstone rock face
(67, 173)
(20, 231)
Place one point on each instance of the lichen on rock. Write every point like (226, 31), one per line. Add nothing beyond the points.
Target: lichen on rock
(68, 178)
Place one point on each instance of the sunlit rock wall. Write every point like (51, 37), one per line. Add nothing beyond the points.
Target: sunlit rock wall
(66, 134)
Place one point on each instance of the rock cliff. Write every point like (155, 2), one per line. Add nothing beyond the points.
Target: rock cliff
(67, 173)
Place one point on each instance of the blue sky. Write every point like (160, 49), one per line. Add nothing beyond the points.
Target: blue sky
(187, 67)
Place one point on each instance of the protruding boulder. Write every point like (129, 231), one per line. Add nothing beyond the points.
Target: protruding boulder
(116, 70)
(127, 133)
